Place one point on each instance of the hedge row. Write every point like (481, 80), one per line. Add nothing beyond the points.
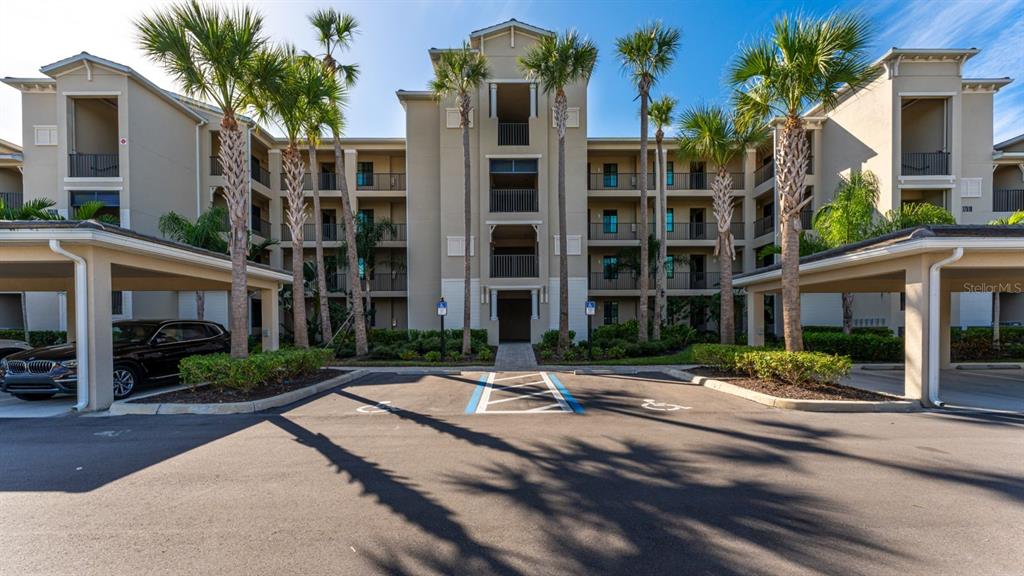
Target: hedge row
(615, 341)
(860, 346)
(389, 344)
(775, 365)
(255, 371)
(971, 344)
(36, 337)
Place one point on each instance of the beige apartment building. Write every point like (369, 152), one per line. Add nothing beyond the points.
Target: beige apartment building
(95, 129)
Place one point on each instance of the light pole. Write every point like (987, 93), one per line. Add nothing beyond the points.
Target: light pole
(591, 308)
(442, 311)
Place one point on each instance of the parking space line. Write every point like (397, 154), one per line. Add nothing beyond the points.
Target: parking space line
(486, 396)
(474, 400)
(564, 392)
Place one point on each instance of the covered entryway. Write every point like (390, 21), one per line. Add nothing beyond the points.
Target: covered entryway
(515, 308)
(88, 261)
(927, 265)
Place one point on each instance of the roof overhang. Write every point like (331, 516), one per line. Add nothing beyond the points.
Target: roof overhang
(984, 85)
(511, 24)
(29, 85)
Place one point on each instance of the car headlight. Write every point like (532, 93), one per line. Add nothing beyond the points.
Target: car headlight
(69, 363)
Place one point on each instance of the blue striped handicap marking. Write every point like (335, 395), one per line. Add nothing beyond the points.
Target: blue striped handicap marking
(576, 407)
(477, 392)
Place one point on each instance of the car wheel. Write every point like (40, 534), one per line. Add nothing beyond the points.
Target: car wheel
(124, 382)
(33, 397)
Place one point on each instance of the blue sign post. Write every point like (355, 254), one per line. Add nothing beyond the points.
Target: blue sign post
(591, 308)
(442, 311)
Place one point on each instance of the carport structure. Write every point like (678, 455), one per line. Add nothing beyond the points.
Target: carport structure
(927, 264)
(90, 260)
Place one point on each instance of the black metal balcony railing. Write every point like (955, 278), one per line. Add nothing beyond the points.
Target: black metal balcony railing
(514, 266)
(513, 134)
(765, 225)
(693, 231)
(764, 173)
(514, 200)
(806, 217)
(379, 281)
(925, 164)
(614, 231)
(698, 180)
(12, 199)
(615, 280)
(630, 280)
(738, 230)
(261, 227)
(381, 181)
(1007, 200)
(93, 165)
(336, 233)
(620, 181)
(261, 175)
(216, 169)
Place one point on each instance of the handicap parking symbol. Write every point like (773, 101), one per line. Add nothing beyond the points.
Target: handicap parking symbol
(652, 404)
(379, 408)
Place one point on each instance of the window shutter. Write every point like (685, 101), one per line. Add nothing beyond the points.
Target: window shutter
(970, 188)
(45, 135)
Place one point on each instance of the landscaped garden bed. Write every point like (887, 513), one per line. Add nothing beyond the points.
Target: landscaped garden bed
(415, 348)
(617, 345)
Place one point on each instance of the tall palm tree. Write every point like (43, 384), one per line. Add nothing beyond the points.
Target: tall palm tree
(297, 95)
(805, 61)
(209, 232)
(556, 62)
(458, 73)
(711, 133)
(335, 32)
(36, 209)
(661, 114)
(849, 217)
(211, 52)
(645, 55)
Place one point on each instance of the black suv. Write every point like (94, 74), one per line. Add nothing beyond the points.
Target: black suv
(145, 352)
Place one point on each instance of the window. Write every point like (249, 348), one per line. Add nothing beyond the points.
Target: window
(611, 175)
(670, 266)
(610, 265)
(670, 175)
(45, 135)
(362, 268)
(610, 221)
(364, 174)
(111, 202)
(365, 216)
(193, 332)
(670, 219)
(611, 312)
(510, 166)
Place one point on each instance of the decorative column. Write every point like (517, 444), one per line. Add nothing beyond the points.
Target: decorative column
(755, 318)
(494, 305)
(493, 112)
(534, 314)
(533, 100)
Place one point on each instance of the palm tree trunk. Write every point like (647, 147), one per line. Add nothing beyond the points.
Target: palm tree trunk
(645, 272)
(200, 305)
(296, 219)
(326, 330)
(561, 110)
(792, 157)
(847, 312)
(236, 194)
(996, 314)
(351, 251)
(722, 205)
(659, 265)
(468, 222)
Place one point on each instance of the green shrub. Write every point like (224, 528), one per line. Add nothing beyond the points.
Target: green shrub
(432, 356)
(550, 338)
(719, 356)
(793, 367)
(255, 371)
(975, 343)
(409, 355)
(624, 331)
(862, 346)
(36, 338)
(615, 352)
(485, 354)
(455, 356)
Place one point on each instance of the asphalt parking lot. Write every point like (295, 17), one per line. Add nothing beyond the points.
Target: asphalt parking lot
(504, 474)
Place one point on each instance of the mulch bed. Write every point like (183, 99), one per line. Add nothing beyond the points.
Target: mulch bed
(810, 391)
(208, 395)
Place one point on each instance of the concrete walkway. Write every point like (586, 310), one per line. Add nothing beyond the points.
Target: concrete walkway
(514, 357)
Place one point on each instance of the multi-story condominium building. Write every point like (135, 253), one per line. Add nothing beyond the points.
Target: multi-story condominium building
(94, 129)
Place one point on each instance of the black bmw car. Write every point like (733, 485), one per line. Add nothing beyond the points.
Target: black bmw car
(145, 352)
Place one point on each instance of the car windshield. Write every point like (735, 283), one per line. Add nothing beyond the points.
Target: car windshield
(132, 333)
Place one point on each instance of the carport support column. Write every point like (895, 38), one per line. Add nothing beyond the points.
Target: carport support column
(755, 318)
(69, 311)
(945, 348)
(494, 305)
(101, 339)
(915, 369)
(271, 319)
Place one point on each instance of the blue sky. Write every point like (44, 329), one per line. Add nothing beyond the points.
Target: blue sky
(392, 48)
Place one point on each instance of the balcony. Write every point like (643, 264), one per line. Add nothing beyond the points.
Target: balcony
(765, 225)
(216, 169)
(697, 180)
(693, 231)
(93, 165)
(380, 281)
(514, 266)
(513, 134)
(514, 200)
(806, 218)
(620, 181)
(261, 175)
(1007, 200)
(614, 231)
(331, 232)
(630, 280)
(381, 181)
(925, 164)
(764, 173)
(12, 199)
(261, 227)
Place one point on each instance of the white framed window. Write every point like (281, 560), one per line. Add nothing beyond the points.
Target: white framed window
(970, 187)
(45, 135)
(457, 245)
(453, 120)
(572, 117)
(573, 245)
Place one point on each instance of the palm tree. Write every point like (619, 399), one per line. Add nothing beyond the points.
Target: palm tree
(37, 209)
(661, 114)
(646, 55)
(335, 32)
(369, 234)
(212, 52)
(556, 62)
(711, 133)
(209, 232)
(912, 215)
(848, 218)
(1011, 220)
(296, 96)
(805, 61)
(459, 73)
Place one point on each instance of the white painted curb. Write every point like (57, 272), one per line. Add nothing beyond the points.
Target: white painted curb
(123, 407)
(793, 404)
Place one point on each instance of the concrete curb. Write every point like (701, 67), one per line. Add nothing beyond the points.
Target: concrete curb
(122, 407)
(792, 404)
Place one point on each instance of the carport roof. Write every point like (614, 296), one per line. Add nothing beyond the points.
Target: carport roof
(28, 231)
(922, 238)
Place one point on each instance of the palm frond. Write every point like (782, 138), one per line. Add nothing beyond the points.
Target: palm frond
(560, 60)
(647, 53)
(458, 72)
